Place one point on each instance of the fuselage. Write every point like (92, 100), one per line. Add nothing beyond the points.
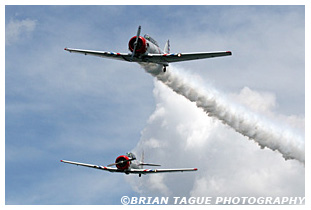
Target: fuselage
(129, 160)
(147, 45)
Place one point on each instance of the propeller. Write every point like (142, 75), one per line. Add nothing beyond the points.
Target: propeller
(121, 162)
(136, 42)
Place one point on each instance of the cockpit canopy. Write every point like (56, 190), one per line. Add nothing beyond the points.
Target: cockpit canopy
(149, 38)
(130, 155)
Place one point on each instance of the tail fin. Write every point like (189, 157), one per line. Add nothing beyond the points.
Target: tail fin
(167, 47)
(142, 163)
(142, 157)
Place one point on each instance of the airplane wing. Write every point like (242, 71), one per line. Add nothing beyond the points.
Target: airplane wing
(152, 58)
(177, 57)
(150, 171)
(130, 171)
(92, 166)
(105, 54)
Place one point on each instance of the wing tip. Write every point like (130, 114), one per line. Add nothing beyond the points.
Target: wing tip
(195, 169)
(229, 52)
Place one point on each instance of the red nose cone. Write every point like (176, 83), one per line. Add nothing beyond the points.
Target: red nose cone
(123, 162)
(141, 45)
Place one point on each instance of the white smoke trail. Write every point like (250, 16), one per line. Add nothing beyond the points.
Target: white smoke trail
(263, 132)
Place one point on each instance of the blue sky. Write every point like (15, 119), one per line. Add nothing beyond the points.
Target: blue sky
(87, 109)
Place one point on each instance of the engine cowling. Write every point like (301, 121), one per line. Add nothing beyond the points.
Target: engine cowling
(125, 165)
(141, 45)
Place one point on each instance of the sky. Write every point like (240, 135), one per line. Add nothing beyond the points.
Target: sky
(87, 109)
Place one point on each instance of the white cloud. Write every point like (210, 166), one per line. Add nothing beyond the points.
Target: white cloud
(229, 164)
(16, 30)
(257, 101)
(265, 103)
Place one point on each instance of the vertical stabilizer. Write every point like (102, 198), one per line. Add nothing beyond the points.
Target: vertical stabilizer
(142, 157)
(167, 47)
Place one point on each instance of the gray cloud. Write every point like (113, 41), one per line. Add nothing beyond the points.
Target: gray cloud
(19, 29)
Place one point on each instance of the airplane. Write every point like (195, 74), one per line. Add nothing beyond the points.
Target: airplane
(129, 165)
(146, 51)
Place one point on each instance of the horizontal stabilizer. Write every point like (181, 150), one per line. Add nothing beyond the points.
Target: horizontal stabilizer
(149, 164)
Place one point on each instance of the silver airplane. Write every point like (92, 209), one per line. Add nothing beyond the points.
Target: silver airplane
(146, 51)
(129, 165)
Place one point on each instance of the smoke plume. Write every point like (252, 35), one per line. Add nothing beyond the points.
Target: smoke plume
(214, 104)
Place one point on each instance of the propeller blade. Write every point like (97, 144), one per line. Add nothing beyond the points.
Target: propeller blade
(135, 43)
(113, 164)
(121, 162)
